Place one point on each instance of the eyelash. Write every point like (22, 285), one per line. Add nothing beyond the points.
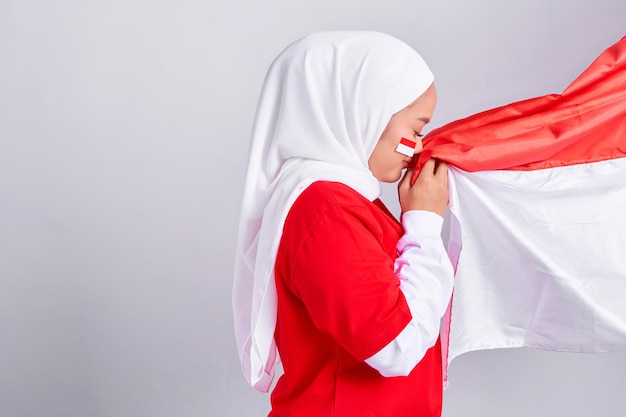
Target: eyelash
(418, 134)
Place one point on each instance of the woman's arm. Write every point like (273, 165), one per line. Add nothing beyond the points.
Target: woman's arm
(426, 277)
(423, 268)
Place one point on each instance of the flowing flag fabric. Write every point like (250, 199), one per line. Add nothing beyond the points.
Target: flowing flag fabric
(538, 218)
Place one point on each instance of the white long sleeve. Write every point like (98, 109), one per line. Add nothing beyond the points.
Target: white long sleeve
(426, 277)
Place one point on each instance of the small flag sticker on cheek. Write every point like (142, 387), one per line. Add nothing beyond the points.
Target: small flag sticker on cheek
(406, 147)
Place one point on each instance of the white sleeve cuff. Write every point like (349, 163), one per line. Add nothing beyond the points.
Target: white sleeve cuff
(422, 223)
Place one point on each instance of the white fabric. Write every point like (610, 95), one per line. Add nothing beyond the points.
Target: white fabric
(426, 278)
(542, 263)
(325, 102)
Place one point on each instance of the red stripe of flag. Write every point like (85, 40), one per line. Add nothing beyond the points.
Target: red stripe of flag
(585, 123)
(408, 142)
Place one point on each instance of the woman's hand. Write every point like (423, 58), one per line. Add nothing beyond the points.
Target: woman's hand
(430, 190)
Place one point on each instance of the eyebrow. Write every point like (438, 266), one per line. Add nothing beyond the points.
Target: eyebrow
(424, 119)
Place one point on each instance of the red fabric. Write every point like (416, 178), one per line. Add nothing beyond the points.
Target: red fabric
(339, 303)
(588, 118)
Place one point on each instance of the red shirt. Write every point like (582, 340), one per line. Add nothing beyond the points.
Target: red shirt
(339, 303)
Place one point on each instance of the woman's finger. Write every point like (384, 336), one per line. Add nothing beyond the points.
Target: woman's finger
(442, 168)
(429, 166)
(406, 179)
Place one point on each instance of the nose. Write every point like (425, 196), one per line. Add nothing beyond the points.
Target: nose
(418, 147)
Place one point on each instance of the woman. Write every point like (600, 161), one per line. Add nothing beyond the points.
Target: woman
(351, 298)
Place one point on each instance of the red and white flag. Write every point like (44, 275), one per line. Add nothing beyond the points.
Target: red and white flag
(538, 218)
(406, 147)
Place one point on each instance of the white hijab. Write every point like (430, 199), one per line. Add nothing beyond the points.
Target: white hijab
(325, 102)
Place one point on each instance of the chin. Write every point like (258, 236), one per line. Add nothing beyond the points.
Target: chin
(392, 177)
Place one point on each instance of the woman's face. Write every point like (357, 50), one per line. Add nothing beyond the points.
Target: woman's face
(385, 162)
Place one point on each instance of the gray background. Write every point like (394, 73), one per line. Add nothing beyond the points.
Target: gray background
(124, 132)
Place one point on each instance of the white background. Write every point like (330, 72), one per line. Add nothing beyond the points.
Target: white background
(124, 132)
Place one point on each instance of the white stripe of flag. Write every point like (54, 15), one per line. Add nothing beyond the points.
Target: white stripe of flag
(406, 147)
